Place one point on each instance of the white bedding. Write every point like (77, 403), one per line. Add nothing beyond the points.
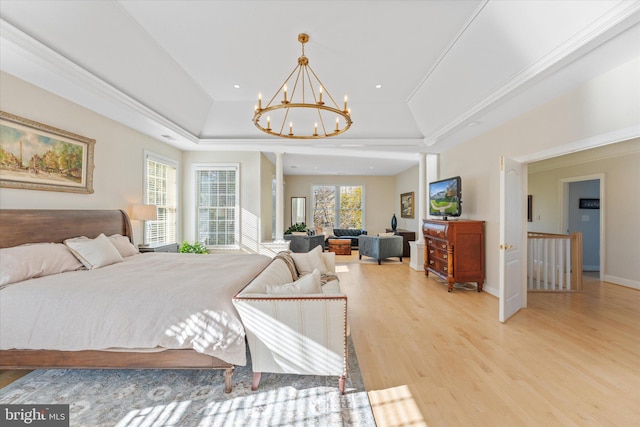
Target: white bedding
(150, 300)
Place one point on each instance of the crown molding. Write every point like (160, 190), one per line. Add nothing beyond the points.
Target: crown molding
(616, 20)
(33, 61)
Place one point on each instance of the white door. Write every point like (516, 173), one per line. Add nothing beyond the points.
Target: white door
(512, 281)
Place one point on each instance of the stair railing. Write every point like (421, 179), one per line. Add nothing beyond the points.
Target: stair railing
(554, 262)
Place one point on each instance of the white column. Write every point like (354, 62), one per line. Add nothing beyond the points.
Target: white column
(279, 196)
(417, 247)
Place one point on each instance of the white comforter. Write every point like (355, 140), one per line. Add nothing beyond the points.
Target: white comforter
(153, 300)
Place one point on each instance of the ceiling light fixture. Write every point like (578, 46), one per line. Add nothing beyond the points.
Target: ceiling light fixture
(299, 103)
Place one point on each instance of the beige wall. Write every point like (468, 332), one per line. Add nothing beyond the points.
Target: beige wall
(598, 107)
(407, 182)
(620, 165)
(118, 178)
(379, 196)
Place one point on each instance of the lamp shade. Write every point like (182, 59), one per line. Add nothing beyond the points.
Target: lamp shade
(144, 212)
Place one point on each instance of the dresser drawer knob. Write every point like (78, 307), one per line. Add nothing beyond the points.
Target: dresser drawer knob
(431, 251)
(445, 269)
(431, 261)
(444, 256)
(444, 246)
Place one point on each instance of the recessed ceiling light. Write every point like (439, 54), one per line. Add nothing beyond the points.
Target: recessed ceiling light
(370, 167)
(472, 124)
(236, 86)
(378, 86)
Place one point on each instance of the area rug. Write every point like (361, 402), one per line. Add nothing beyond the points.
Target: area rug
(195, 398)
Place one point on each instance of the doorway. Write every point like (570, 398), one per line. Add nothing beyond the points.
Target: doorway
(581, 200)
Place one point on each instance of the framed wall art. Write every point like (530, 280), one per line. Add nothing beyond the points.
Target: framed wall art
(589, 204)
(35, 156)
(406, 205)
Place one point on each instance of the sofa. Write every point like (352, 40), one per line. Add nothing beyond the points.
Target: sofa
(295, 317)
(380, 247)
(346, 233)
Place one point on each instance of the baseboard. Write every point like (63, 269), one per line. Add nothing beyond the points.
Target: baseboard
(590, 267)
(622, 281)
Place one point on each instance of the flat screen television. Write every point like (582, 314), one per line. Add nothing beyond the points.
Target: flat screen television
(445, 197)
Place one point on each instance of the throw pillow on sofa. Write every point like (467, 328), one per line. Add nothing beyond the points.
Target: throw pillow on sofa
(307, 262)
(307, 284)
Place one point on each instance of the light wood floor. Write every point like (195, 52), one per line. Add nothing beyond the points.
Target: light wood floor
(433, 358)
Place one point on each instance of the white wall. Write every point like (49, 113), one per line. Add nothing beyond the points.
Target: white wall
(118, 178)
(598, 107)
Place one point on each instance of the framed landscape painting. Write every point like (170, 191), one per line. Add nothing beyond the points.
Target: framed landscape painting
(35, 156)
(406, 205)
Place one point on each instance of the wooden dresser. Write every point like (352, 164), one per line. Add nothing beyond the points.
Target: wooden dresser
(454, 250)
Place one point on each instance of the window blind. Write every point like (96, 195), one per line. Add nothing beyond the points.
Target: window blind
(217, 205)
(161, 190)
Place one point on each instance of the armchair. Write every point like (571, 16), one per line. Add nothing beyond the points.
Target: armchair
(380, 247)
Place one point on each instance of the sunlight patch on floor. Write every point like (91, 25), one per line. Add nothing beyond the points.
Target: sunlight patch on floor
(342, 268)
(395, 407)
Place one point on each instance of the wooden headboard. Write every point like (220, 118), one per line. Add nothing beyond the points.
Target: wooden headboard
(20, 226)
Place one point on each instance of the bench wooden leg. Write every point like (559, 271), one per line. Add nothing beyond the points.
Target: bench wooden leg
(342, 384)
(228, 378)
(255, 382)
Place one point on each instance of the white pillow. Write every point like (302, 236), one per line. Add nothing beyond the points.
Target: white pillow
(35, 260)
(123, 245)
(307, 262)
(94, 253)
(307, 284)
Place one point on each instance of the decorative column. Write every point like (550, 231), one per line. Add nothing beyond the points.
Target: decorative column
(417, 247)
(279, 196)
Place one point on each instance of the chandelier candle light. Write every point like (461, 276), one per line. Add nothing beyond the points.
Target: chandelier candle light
(304, 105)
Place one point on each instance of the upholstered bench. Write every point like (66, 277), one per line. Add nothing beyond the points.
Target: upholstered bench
(380, 247)
(295, 317)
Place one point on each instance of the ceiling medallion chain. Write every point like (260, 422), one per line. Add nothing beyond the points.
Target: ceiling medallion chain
(298, 102)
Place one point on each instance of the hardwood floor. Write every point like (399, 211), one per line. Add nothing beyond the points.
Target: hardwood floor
(433, 358)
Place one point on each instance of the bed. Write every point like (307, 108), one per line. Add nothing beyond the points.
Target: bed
(152, 310)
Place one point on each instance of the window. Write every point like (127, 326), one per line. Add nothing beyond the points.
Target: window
(217, 205)
(161, 189)
(341, 205)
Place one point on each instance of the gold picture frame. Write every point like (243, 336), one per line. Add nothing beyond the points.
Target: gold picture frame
(35, 156)
(406, 205)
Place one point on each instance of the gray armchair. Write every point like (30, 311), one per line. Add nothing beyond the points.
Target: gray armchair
(304, 243)
(380, 247)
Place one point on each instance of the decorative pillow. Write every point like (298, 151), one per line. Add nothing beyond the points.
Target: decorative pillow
(307, 262)
(123, 245)
(94, 253)
(386, 234)
(35, 260)
(307, 284)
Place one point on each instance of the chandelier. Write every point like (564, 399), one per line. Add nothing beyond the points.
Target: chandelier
(299, 101)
